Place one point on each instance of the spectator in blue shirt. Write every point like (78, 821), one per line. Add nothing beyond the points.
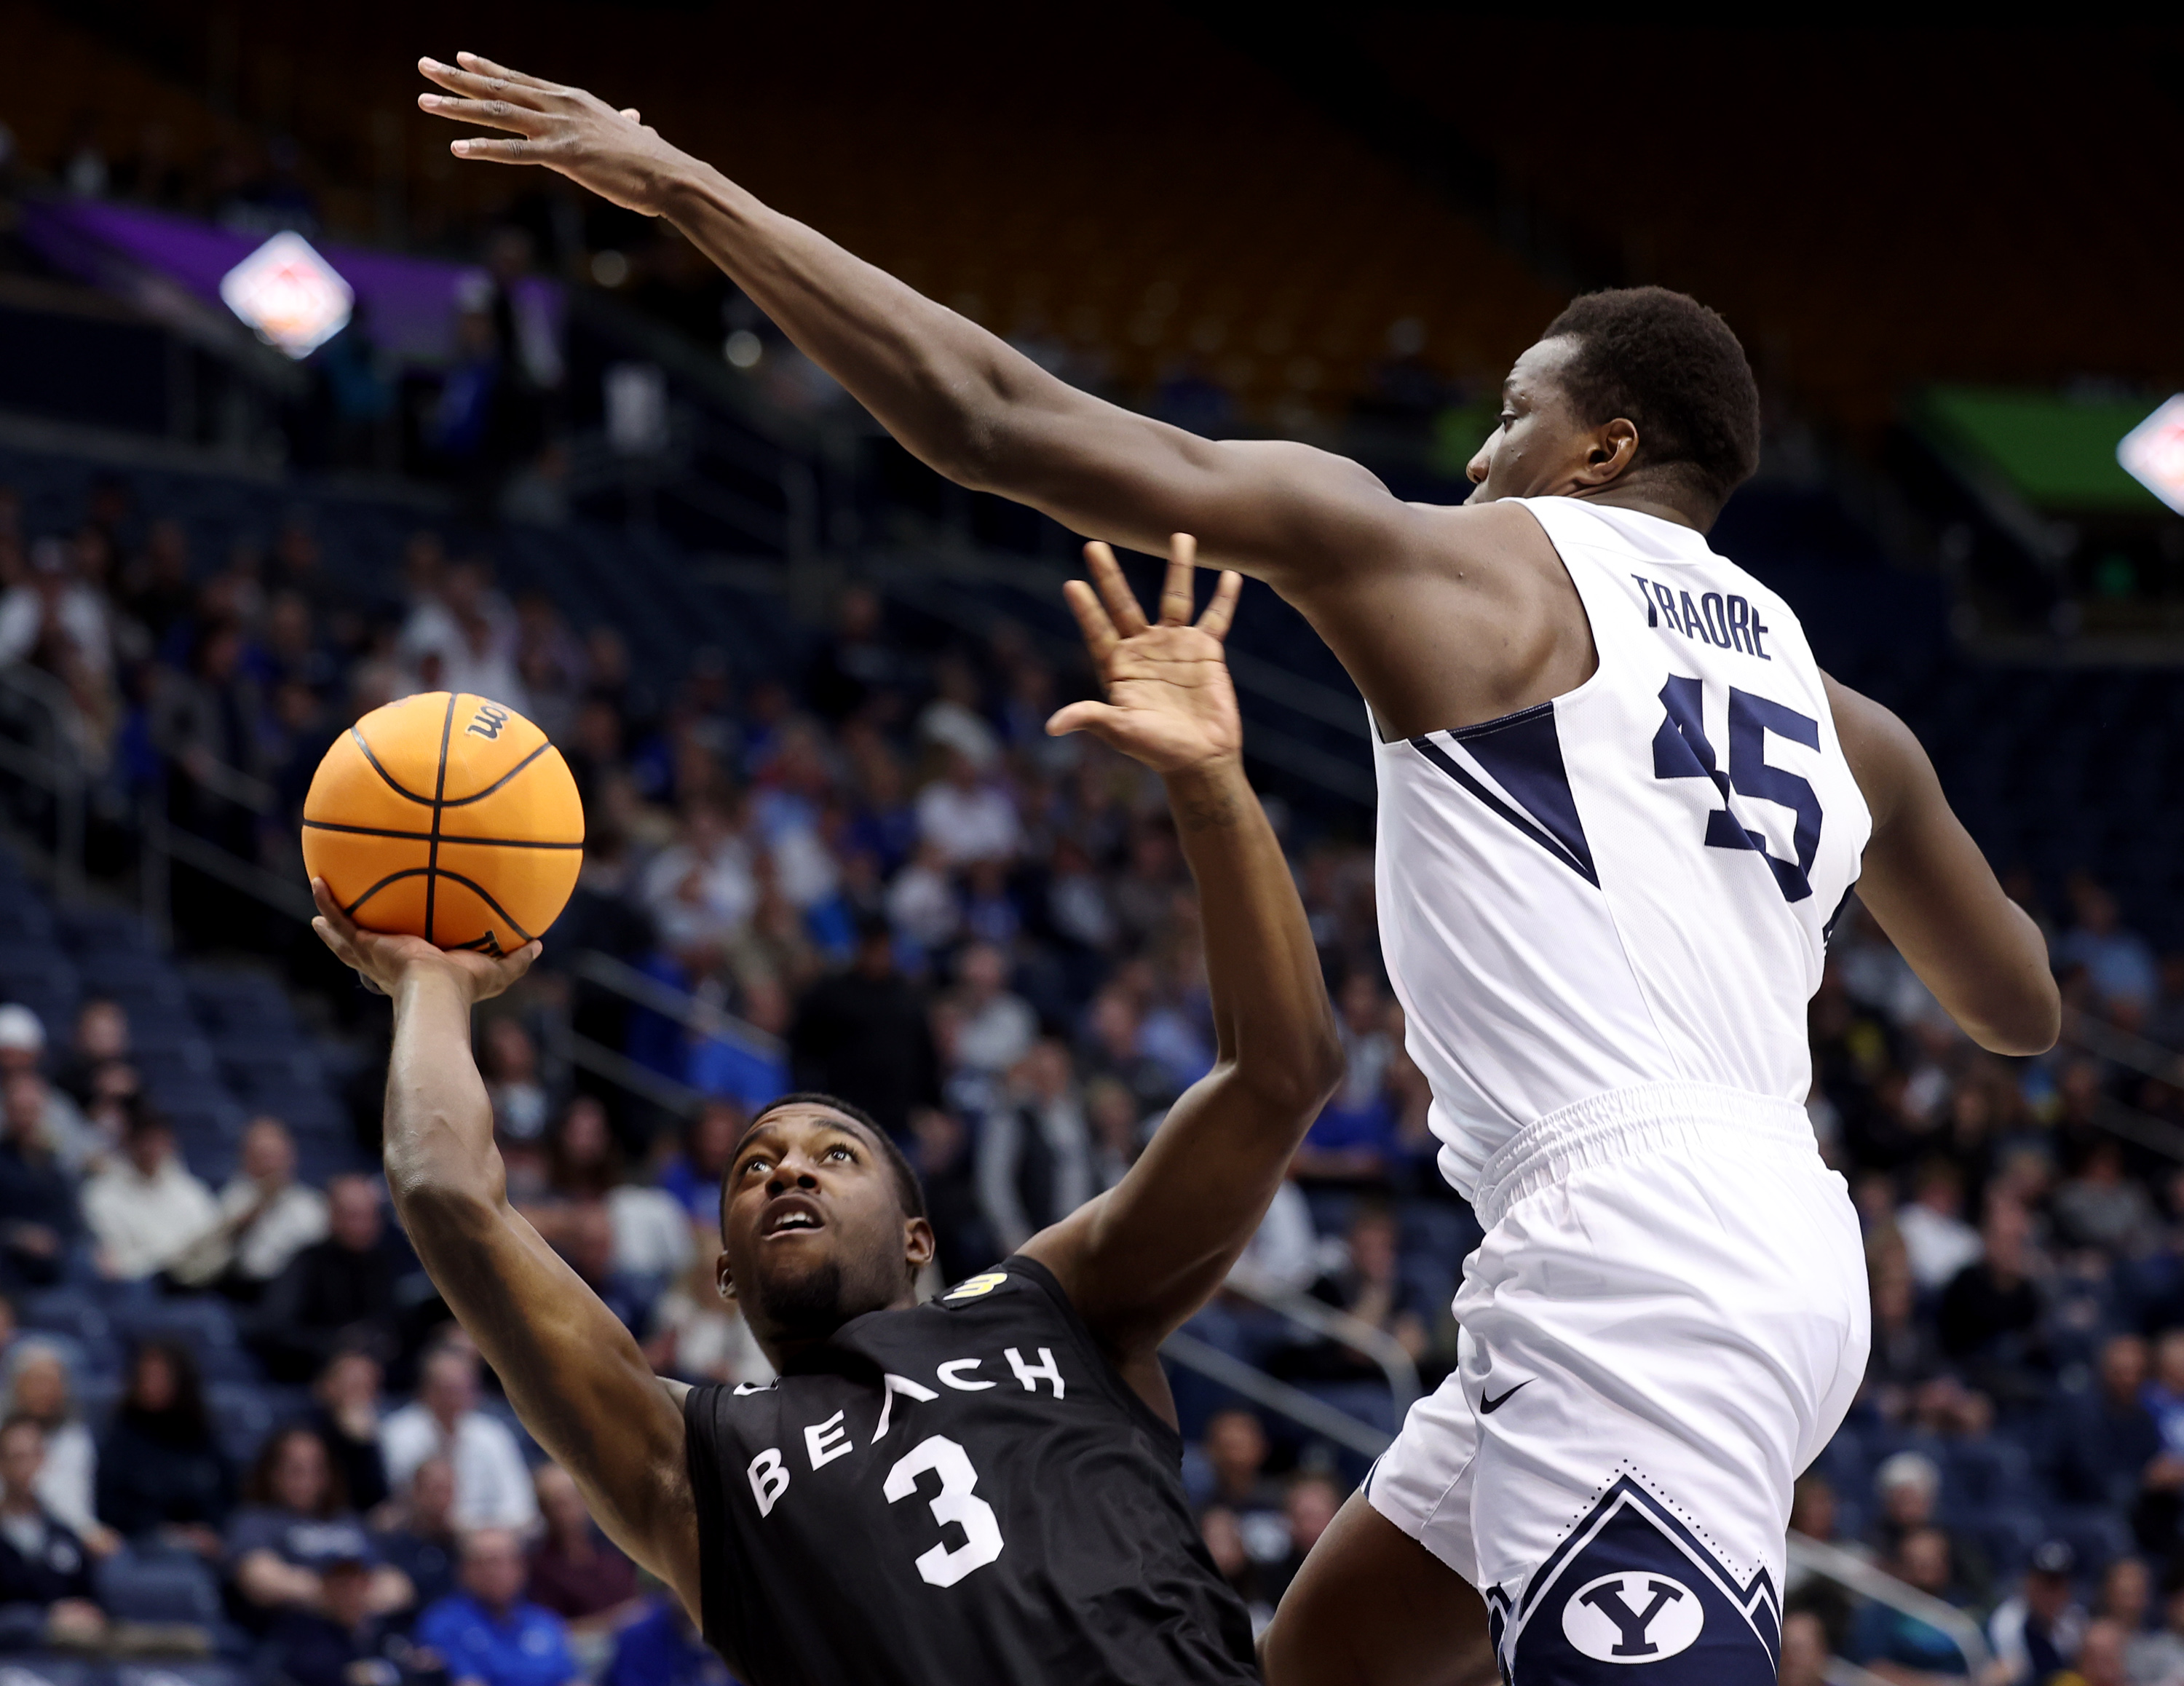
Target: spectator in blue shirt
(662, 1649)
(487, 1632)
(1903, 1648)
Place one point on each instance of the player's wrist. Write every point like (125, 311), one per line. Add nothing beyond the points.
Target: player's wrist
(1208, 792)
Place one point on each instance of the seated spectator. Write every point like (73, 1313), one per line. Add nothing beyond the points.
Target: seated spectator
(1905, 1354)
(340, 1639)
(1113, 1047)
(417, 1532)
(650, 1236)
(584, 1236)
(2157, 1658)
(1118, 1136)
(1989, 1318)
(294, 1521)
(1907, 1485)
(488, 1632)
(23, 1054)
(342, 1292)
(995, 1027)
(493, 1487)
(1283, 1254)
(2165, 1393)
(1035, 1150)
(1902, 1649)
(693, 1175)
(701, 891)
(1370, 1286)
(144, 1210)
(1936, 1239)
(39, 1220)
(1224, 1543)
(509, 1062)
(940, 1149)
(862, 1034)
(1308, 1507)
(663, 1648)
(266, 1218)
(2104, 1207)
(2101, 1657)
(2106, 1438)
(44, 1567)
(2119, 962)
(1806, 1652)
(2035, 1631)
(101, 1040)
(966, 817)
(696, 1336)
(575, 1570)
(162, 1476)
(1235, 1450)
(37, 1377)
(345, 1412)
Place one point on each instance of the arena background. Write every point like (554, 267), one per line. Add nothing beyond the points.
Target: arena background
(554, 458)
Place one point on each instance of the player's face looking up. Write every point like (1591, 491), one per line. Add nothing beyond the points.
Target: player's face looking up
(813, 1230)
(1542, 447)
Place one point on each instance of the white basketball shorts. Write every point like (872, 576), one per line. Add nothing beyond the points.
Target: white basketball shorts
(1664, 1325)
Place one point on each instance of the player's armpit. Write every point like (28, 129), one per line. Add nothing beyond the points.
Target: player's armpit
(1925, 882)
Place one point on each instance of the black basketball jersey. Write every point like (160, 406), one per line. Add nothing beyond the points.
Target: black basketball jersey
(962, 1492)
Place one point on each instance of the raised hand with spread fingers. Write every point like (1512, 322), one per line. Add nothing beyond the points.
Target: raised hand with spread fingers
(1170, 703)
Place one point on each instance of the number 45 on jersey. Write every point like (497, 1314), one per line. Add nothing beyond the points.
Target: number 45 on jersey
(1682, 750)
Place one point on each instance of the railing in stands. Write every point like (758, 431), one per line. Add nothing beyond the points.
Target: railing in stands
(1853, 1574)
(1301, 1408)
(1316, 1317)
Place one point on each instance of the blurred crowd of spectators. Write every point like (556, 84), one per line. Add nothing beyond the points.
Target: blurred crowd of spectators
(874, 859)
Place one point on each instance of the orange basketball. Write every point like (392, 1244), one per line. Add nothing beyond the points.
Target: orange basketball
(446, 817)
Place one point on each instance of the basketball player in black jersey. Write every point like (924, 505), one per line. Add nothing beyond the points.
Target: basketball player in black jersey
(983, 1488)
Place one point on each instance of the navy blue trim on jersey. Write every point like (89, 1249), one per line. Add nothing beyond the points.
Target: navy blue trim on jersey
(1633, 1585)
(1523, 753)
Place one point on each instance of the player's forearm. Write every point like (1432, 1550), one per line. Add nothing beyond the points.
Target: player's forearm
(438, 1125)
(1271, 1016)
(957, 397)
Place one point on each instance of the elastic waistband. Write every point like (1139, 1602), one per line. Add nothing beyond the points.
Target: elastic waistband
(1618, 1124)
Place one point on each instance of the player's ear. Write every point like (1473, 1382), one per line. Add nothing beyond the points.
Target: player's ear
(917, 1244)
(1613, 449)
(724, 1276)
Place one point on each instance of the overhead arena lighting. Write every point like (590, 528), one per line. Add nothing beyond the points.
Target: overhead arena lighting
(2152, 453)
(294, 298)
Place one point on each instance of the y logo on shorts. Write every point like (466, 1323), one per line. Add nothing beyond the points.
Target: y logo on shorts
(1634, 1615)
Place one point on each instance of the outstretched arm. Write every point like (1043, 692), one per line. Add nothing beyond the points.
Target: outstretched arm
(1140, 1259)
(572, 1372)
(1932, 891)
(958, 398)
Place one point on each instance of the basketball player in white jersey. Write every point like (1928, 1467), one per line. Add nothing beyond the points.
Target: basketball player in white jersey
(1619, 807)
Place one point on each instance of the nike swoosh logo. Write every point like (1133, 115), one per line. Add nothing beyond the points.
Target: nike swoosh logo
(1487, 1404)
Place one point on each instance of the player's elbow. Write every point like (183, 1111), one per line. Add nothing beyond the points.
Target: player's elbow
(433, 1195)
(1300, 1077)
(2027, 1023)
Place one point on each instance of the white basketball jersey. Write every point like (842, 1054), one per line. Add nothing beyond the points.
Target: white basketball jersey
(1633, 883)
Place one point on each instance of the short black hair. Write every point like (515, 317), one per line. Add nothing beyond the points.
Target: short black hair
(908, 1189)
(1671, 367)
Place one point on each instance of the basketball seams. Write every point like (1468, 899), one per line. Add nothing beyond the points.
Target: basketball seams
(426, 836)
(480, 796)
(393, 784)
(485, 895)
(439, 790)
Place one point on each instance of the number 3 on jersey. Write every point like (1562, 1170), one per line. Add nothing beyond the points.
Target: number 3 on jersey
(1682, 750)
(944, 1564)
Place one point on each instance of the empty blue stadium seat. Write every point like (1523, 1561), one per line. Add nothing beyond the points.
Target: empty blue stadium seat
(34, 1667)
(163, 1589)
(243, 1416)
